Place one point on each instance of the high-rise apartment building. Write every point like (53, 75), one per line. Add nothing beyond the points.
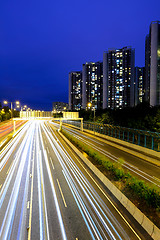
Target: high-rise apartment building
(138, 85)
(118, 78)
(92, 86)
(75, 90)
(59, 107)
(146, 83)
(152, 65)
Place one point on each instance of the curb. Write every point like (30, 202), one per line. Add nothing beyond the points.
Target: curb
(150, 227)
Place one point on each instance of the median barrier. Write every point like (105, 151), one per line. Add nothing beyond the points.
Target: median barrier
(124, 200)
(147, 225)
(156, 233)
(116, 192)
(132, 209)
(138, 215)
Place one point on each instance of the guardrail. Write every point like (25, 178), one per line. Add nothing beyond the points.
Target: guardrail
(142, 138)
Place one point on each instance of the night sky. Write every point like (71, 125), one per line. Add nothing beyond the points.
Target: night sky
(42, 41)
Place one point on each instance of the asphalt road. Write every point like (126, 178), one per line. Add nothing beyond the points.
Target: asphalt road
(7, 127)
(145, 170)
(46, 192)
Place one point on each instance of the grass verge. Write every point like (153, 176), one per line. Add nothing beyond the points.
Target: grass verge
(145, 197)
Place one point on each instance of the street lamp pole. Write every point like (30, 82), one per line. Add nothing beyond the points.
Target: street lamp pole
(17, 102)
(94, 118)
(11, 110)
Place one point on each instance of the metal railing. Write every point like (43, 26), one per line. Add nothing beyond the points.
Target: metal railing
(142, 138)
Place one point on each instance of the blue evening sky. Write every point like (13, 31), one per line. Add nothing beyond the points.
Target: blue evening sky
(41, 41)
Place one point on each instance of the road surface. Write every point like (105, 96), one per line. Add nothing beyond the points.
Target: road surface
(46, 192)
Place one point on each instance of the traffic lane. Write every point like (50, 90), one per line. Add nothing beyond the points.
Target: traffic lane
(139, 166)
(127, 232)
(9, 155)
(73, 222)
(9, 127)
(13, 195)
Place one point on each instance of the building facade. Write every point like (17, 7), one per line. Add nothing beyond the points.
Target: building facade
(118, 78)
(138, 85)
(59, 107)
(152, 65)
(147, 69)
(92, 85)
(75, 90)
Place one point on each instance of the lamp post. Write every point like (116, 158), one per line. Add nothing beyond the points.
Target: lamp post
(6, 102)
(17, 102)
(94, 118)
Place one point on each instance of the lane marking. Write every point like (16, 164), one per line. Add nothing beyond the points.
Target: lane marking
(47, 150)
(0, 186)
(28, 205)
(31, 201)
(51, 162)
(9, 169)
(61, 193)
(156, 178)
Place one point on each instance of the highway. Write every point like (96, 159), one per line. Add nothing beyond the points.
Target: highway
(7, 127)
(144, 170)
(46, 192)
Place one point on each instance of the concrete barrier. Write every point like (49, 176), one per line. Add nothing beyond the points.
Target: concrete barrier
(147, 224)
(149, 227)
(124, 200)
(131, 208)
(138, 215)
(156, 233)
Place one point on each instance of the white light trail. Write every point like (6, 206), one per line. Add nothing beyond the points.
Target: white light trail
(82, 185)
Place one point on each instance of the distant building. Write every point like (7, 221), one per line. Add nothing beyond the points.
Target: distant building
(59, 106)
(146, 83)
(75, 90)
(138, 85)
(152, 65)
(92, 85)
(118, 78)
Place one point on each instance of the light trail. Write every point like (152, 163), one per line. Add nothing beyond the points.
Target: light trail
(32, 191)
(81, 185)
(9, 148)
(53, 191)
(7, 223)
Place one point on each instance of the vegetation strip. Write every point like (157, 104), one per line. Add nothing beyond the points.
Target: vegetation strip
(144, 196)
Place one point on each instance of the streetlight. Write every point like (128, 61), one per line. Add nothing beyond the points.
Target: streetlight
(89, 105)
(6, 102)
(94, 109)
(17, 102)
